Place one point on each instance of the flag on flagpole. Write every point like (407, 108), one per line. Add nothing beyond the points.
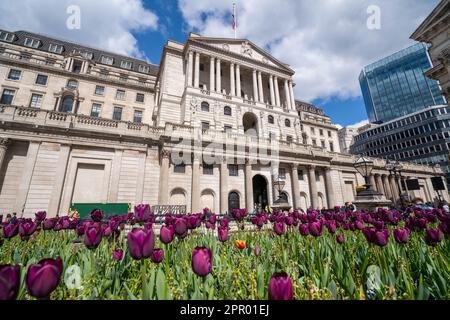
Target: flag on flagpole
(233, 23)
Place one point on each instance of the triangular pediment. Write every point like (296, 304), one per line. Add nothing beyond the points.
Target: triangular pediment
(244, 48)
(439, 12)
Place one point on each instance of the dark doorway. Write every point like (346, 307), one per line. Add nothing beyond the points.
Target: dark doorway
(233, 201)
(260, 191)
(250, 123)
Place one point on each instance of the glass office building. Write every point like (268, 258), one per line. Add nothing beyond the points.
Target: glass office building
(396, 85)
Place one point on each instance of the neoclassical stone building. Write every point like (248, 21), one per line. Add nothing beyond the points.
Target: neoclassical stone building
(214, 125)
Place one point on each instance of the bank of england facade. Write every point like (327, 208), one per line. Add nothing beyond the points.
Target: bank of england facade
(214, 125)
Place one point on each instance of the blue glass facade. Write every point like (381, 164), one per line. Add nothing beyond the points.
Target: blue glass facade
(396, 86)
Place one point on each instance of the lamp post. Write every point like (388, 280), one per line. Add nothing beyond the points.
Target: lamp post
(279, 186)
(394, 167)
(364, 166)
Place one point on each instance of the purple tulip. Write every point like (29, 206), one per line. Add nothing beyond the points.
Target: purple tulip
(433, 237)
(166, 234)
(43, 278)
(315, 229)
(213, 218)
(26, 228)
(157, 255)
(107, 231)
(80, 229)
(378, 224)
(140, 243)
(10, 230)
(49, 223)
(142, 212)
(304, 230)
(117, 254)
(280, 287)
(9, 281)
(340, 238)
(401, 236)
(93, 236)
(445, 228)
(278, 227)
(191, 222)
(97, 215)
(40, 215)
(331, 225)
(381, 238)
(224, 222)
(222, 233)
(257, 250)
(202, 261)
(180, 226)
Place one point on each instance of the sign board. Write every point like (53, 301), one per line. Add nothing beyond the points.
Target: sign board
(174, 209)
(109, 209)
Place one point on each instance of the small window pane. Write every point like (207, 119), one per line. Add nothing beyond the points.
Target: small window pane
(205, 106)
(72, 84)
(140, 97)
(270, 119)
(117, 114)
(179, 168)
(99, 90)
(41, 79)
(7, 96)
(14, 74)
(120, 95)
(137, 116)
(227, 111)
(208, 169)
(107, 60)
(126, 64)
(233, 170)
(96, 109)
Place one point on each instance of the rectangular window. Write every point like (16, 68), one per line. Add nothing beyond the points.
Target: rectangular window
(7, 96)
(140, 97)
(329, 134)
(55, 48)
(282, 173)
(33, 43)
(117, 113)
(317, 176)
(205, 125)
(126, 64)
(41, 79)
(314, 142)
(331, 147)
(120, 94)
(322, 143)
(143, 69)
(14, 74)
(321, 132)
(107, 60)
(208, 169)
(36, 100)
(300, 175)
(228, 128)
(99, 90)
(5, 36)
(96, 109)
(289, 139)
(179, 168)
(233, 170)
(137, 118)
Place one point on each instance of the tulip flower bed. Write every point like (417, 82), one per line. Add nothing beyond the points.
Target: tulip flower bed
(377, 255)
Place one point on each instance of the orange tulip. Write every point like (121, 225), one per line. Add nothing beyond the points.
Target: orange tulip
(240, 244)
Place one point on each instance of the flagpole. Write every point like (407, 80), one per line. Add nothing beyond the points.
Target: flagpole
(235, 20)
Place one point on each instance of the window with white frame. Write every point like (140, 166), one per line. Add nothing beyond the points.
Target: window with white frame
(55, 48)
(7, 96)
(117, 113)
(6, 36)
(144, 69)
(137, 118)
(96, 109)
(72, 84)
(233, 170)
(126, 64)
(14, 74)
(36, 100)
(120, 94)
(99, 90)
(107, 60)
(33, 43)
(140, 97)
(41, 79)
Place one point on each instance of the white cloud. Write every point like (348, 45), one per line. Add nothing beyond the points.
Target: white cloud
(359, 124)
(325, 42)
(105, 24)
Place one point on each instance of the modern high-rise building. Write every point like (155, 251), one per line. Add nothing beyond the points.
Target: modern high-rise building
(396, 85)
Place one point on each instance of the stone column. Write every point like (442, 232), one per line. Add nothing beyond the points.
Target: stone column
(232, 86)
(372, 182)
(272, 91)
(249, 185)
(394, 188)
(197, 70)
(115, 176)
(218, 77)
(238, 81)
(27, 174)
(331, 199)
(313, 187)
(189, 68)
(141, 178)
(379, 184)
(4, 143)
(287, 95)
(223, 186)
(291, 91)
(163, 196)
(277, 93)
(255, 87)
(260, 87)
(387, 188)
(60, 173)
(295, 186)
(211, 74)
(195, 188)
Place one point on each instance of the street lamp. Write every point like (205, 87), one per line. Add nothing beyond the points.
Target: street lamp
(279, 186)
(364, 166)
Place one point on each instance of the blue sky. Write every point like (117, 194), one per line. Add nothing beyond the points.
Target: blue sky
(326, 42)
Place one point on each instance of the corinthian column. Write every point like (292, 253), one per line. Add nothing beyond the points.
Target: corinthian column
(277, 93)
(272, 91)
(4, 143)
(291, 91)
(197, 70)
(313, 187)
(255, 87)
(218, 77)
(238, 81)
(232, 86)
(287, 95)
(211, 74)
(260, 87)
(387, 188)
(190, 65)
(330, 189)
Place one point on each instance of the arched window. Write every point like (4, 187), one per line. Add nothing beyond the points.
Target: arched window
(227, 111)
(233, 201)
(205, 106)
(67, 104)
(287, 123)
(270, 119)
(72, 84)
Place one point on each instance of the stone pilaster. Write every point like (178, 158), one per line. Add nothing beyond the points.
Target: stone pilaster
(249, 185)
(238, 81)
(313, 187)
(27, 174)
(295, 186)
(190, 65)
(4, 143)
(287, 95)
(331, 198)
(60, 174)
